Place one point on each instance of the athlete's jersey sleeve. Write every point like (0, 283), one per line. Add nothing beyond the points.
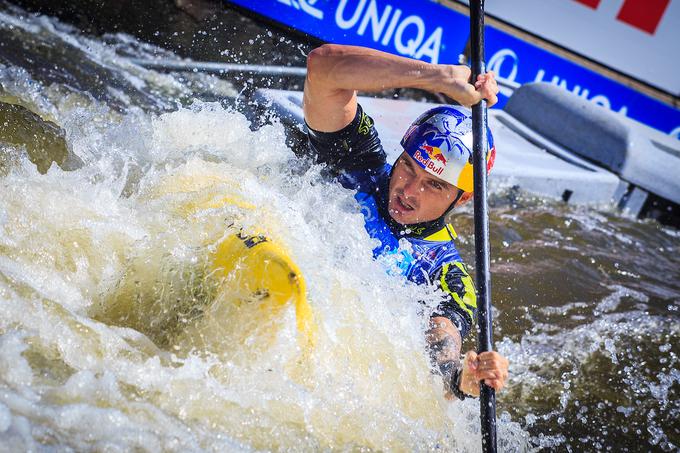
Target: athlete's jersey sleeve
(460, 303)
(355, 147)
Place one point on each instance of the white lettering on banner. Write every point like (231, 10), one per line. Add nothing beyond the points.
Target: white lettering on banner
(409, 33)
(347, 24)
(377, 24)
(675, 133)
(599, 99)
(635, 37)
(306, 5)
(496, 64)
(393, 24)
(413, 44)
(431, 46)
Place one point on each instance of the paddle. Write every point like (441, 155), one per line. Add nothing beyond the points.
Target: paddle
(483, 278)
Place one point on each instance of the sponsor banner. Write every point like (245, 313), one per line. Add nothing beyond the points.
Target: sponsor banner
(434, 33)
(636, 37)
(423, 30)
(518, 61)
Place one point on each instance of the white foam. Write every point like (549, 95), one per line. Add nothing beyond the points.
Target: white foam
(70, 237)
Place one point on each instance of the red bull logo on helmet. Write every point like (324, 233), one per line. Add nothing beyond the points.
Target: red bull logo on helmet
(430, 158)
(435, 153)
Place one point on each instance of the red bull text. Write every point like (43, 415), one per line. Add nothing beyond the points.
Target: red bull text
(428, 163)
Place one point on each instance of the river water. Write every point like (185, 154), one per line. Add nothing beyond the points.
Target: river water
(587, 301)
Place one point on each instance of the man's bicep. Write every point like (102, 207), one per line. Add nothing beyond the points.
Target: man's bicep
(326, 107)
(328, 112)
(356, 147)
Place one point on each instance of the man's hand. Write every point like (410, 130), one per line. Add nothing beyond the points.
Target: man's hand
(487, 88)
(490, 367)
(455, 83)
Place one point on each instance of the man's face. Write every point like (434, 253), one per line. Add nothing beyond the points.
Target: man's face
(416, 195)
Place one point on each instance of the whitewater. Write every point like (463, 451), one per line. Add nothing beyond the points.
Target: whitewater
(103, 271)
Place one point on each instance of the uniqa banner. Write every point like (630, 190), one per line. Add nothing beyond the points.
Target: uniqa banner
(418, 29)
(432, 32)
(635, 37)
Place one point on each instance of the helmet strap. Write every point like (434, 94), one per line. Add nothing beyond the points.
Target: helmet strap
(452, 206)
(455, 200)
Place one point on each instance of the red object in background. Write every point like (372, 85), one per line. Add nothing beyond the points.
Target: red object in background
(491, 160)
(592, 3)
(643, 14)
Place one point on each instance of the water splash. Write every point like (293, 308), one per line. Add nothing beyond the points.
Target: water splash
(74, 241)
(586, 301)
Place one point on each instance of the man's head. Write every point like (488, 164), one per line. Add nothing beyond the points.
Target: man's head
(434, 173)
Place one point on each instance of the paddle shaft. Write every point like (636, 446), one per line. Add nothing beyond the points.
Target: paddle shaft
(482, 274)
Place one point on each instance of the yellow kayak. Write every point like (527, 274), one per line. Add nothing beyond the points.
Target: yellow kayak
(242, 293)
(255, 280)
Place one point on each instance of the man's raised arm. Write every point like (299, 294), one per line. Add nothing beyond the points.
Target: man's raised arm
(336, 72)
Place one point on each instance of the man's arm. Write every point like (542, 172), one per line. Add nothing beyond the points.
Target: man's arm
(445, 345)
(336, 72)
(445, 335)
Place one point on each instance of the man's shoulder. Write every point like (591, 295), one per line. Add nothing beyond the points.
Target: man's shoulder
(435, 251)
(366, 123)
(356, 147)
(439, 252)
(445, 234)
(366, 179)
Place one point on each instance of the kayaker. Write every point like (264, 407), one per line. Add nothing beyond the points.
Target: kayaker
(410, 200)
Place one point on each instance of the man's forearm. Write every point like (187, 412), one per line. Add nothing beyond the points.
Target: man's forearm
(364, 69)
(336, 72)
(445, 345)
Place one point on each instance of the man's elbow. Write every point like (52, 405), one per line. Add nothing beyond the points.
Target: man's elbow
(324, 52)
(445, 325)
(319, 60)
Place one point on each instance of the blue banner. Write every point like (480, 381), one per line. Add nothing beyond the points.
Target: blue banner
(418, 29)
(515, 60)
(431, 32)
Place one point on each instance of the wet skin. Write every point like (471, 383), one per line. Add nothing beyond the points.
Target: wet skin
(416, 195)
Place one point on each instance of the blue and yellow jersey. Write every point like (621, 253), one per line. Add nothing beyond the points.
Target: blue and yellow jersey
(356, 157)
